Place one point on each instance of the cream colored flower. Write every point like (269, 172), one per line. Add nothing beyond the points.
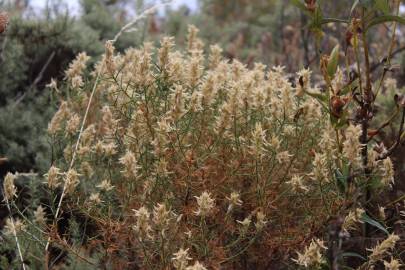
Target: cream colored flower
(53, 177)
(180, 259)
(130, 166)
(13, 226)
(234, 200)
(142, 226)
(352, 219)
(39, 215)
(9, 189)
(388, 172)
(383, 249)
(73, 124)
(95, 198)
(312, 255)
(260, 220)
(105, 185)
(352, 146)
(72, 180)
(205, 204)
(245, 224)
(59, 117)
(161, 216)
(297, 184)
(392, 265)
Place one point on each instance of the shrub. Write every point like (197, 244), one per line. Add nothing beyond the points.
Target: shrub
(167, 159)
(192, 141)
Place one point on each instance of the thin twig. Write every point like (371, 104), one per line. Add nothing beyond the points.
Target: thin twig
(15, 234)
(37, 79)
(385, 124)
(129, 26)
(398, 141)
(41, 73)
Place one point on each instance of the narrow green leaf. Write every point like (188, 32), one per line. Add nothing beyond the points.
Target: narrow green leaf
(374, 223)
(384, 19)
(318, 96)
(341, 181)
(354, 6)
(352, 255)
(317, 19)
(333, 61)
(335, 20)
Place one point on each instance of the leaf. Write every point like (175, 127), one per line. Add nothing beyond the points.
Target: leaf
(317, 19)
(352, 255)
(385, 18)
(333, 61)
(318, 96)
(341, 181)
(335, 20)
(383, 6)
(354, 6)
(374, 223)
(322, 99)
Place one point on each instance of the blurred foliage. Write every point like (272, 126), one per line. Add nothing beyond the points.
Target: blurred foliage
(34, 50)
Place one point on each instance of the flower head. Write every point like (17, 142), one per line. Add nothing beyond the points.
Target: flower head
(352, 145)
(9, 189)
(13, 226)
(129, 162)
(312, 255)
(384, 248)
(234, 200)
(392, 265)
(142, 222)
(205, 204)
(72, 180)
(39, 215)
(388, 172)
(180, 259)
(352, 219)
(53, 177)
(297, 184)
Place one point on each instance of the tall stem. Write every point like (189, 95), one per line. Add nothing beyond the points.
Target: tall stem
(368, 99)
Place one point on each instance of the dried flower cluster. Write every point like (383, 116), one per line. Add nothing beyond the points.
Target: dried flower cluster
(9, 189)
(312, 255)
(383, 249)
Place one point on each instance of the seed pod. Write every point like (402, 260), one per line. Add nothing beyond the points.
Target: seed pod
(4, 19)
(337, 104)
(372, 132)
